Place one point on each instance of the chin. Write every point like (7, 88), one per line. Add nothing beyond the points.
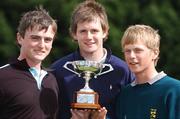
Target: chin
(40, 59)
(90, 50)
(134, 70)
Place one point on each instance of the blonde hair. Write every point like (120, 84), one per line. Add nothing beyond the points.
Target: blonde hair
(144, 33)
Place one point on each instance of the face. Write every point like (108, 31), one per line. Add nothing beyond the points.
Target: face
(89, 36)
(139, 58)
(36, 45)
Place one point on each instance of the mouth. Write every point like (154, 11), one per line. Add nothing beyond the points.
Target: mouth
(89, 43)
(133, 63)
(40, 52)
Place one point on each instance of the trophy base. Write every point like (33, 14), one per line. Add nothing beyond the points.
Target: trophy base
(85, 100)
(85, 106)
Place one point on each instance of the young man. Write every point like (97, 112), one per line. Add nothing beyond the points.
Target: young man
(28, 91)
(155, 95)
(89, 28)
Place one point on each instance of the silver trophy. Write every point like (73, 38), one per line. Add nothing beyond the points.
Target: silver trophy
(87, 98)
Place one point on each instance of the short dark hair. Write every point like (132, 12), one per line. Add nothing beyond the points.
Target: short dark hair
(38, 17)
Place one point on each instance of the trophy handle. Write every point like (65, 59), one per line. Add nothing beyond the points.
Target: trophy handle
(109, 70)
(66, 67)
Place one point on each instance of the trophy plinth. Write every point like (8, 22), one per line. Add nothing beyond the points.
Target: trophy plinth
(87, 98)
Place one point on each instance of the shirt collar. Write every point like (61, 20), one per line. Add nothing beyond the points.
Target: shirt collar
(23, 65)
(107, 56)
(36, 73)
(20, 64)
(153, 80)
(103, 59)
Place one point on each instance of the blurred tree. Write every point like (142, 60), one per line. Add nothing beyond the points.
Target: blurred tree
(163, 15)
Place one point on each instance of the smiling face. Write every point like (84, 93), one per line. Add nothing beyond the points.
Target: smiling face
(89, 35)
(140, 44)
(36, 44)
(139, 57)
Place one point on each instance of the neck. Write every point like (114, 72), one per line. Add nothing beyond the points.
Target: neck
(145, 76)
(94, 56)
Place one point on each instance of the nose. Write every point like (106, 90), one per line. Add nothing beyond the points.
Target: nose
(132, 54)
(89, 35)
(41, 43)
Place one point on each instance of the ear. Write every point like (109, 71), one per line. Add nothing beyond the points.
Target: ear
(156, 54)
(19, 38)
(74, 37)
(105, 33)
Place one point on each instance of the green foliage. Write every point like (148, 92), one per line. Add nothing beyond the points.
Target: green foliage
(7, 38)
(163, 15)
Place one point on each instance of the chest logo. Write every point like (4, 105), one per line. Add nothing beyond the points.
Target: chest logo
(153, 113)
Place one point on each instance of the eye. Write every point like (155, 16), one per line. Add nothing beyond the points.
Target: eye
(138, 50)
(94, 31)
(47, 40)
(82, 31)
(35, 38)
(127, 51)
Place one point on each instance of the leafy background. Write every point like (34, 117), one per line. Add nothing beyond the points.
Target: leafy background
(163, 15)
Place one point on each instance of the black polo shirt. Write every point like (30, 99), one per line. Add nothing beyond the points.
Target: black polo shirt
(20, 97)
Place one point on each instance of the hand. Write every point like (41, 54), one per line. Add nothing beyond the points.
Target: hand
(99, 114)
(80, 114)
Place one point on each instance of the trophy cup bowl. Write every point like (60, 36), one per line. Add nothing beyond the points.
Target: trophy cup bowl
(87, 98)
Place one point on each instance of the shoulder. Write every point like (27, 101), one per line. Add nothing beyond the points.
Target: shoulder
(114, 60)
(170, 84)
(4, 66)
(4, 70)
(60, 62)
(117, 60)
(121, 69)
(118, 63)
(170, 81)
